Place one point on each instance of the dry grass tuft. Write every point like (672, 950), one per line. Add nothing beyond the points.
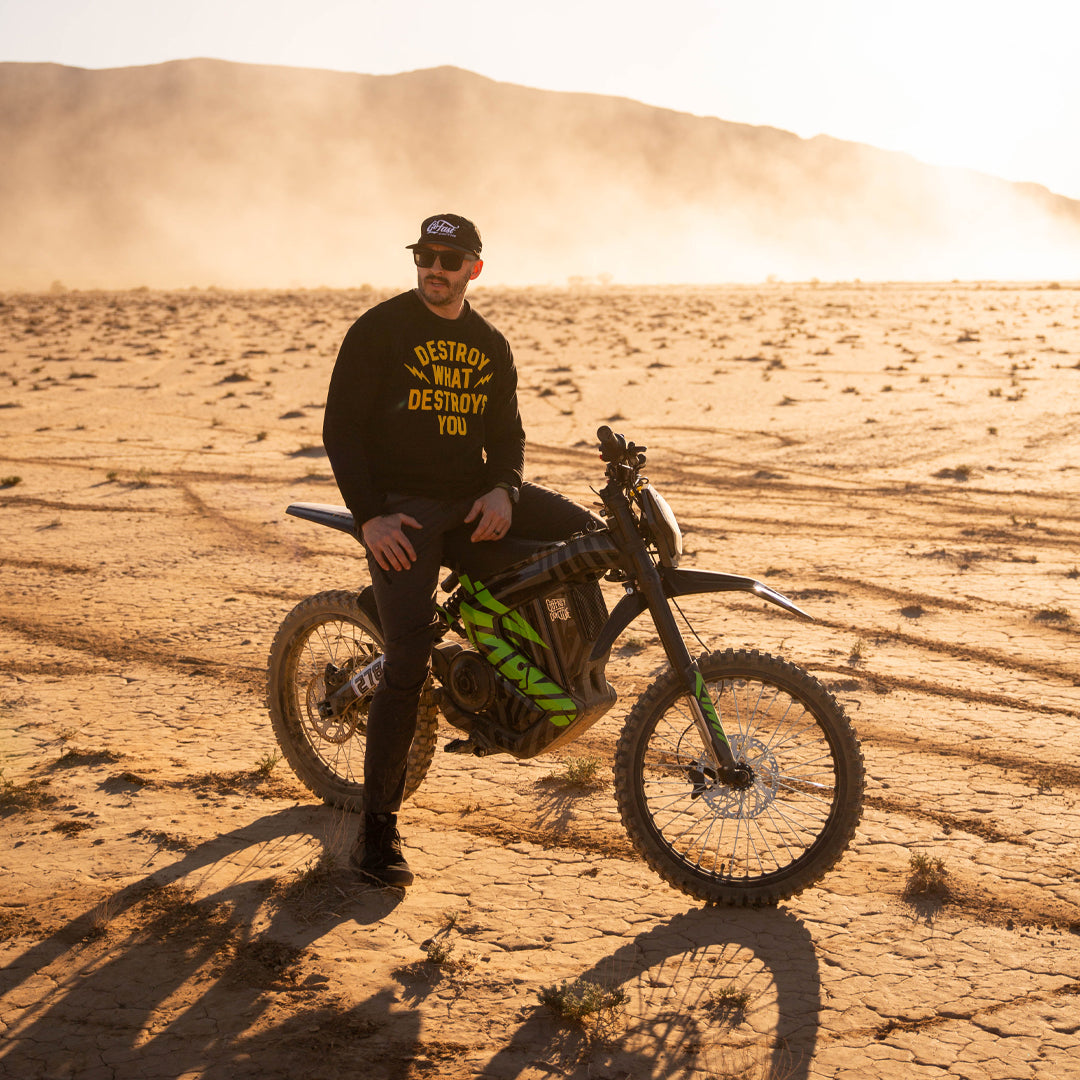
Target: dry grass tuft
(578, 772)
(728, 1004)
(71, 827)
(21, 798)
(73, 758)
(1052, 615)
(585, 1004)
(928, 879)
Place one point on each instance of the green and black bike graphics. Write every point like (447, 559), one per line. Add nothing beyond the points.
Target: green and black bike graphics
(547, 686)
(478, 619)
(708, 710)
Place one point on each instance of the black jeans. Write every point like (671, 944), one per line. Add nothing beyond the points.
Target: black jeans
(406, 602)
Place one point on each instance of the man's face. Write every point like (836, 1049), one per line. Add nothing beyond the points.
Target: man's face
(441, 288)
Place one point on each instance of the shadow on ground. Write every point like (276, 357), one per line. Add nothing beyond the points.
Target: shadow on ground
(156, 982)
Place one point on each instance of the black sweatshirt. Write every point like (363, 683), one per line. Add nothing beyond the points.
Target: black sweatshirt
(421, 405)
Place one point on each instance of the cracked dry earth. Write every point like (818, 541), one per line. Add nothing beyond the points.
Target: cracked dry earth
(900, 460)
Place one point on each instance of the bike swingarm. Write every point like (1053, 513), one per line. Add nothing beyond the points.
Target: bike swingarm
(684, 583)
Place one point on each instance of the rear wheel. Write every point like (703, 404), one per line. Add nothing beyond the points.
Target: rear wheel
(761, 841)
(319, 646)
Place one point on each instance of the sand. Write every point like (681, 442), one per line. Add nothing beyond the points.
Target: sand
(901, 460)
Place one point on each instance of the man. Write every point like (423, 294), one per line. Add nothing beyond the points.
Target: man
(425, 439)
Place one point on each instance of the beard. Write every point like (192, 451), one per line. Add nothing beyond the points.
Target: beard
(450, 294)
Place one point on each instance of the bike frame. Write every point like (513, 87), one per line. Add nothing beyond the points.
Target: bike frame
(624, 550)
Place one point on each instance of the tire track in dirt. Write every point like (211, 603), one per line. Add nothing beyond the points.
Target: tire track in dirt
(908, 502)
(49, 565)
(291, 596)
(901, 596)
(120, 650)
(1044, 773)
(266, 478)
(1024, 906)
(89, 508)
(882, 684)
(1005, 661)
(944, 1018)
(810, 522)
(608, 844)
(949, 822)
(252, 538)
(711, 474)
(859, 586)
(905, 498)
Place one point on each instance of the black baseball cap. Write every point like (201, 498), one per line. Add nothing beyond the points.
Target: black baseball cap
(451, 230)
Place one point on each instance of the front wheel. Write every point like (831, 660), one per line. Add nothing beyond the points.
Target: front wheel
(320, 644)
(756, 843)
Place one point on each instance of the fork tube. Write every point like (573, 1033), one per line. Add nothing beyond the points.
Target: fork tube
(651, 587)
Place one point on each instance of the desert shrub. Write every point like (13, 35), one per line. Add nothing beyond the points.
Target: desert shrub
(927, 878)
(583, 1002)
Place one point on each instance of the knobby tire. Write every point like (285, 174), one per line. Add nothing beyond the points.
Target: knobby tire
(770, 840)
(328, 756)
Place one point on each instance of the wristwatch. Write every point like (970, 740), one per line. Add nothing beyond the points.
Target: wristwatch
(513, 492)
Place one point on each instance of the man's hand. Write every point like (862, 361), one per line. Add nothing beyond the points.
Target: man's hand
(385, 538)
(494, 511)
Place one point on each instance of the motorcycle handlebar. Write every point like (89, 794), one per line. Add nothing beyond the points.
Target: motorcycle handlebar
(615, 449)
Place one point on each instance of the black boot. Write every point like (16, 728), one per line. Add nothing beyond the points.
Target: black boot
(376, 855)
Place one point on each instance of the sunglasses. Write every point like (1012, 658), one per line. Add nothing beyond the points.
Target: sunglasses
(448, 260)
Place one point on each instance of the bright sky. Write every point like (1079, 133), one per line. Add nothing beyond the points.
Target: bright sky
(991, 85)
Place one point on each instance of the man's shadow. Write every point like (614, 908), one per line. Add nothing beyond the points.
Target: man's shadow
(673, 974)
(107, 1005)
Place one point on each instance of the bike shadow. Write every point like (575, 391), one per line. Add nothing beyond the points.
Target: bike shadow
(683, 1012)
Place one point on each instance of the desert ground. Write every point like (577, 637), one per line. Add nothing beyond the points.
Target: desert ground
(901, 460)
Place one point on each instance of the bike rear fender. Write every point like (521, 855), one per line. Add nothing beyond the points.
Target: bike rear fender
(684, 583)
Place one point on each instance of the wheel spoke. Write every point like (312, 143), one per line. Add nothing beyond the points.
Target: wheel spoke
(346, 647)
(786, 730)
(321, 644)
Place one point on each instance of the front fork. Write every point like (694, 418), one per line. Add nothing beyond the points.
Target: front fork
(362, 683)
(706, 719)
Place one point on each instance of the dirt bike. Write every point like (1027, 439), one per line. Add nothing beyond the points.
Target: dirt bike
(738, 777)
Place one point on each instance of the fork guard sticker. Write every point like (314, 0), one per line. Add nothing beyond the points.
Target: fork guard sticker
(701, 693)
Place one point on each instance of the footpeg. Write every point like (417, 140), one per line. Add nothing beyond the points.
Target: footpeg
(465, 746)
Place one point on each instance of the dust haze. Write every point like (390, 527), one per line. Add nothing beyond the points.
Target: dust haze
(200, 173)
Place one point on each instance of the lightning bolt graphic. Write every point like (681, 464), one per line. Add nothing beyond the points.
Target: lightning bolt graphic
(418, 374)
(480, 382)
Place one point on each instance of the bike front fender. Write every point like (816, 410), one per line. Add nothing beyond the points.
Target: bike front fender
(684, 583)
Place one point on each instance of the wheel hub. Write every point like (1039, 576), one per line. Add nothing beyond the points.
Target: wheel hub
(330, 728)
(752, 792)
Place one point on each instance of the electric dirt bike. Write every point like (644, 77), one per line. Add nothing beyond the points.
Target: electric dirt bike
(738, 776)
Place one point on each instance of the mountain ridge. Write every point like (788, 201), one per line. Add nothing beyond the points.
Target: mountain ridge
(205, 171)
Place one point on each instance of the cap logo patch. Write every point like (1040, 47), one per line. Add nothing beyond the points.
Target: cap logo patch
(441, 228)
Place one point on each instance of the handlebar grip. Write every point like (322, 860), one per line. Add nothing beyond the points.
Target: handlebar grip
(612, 445)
